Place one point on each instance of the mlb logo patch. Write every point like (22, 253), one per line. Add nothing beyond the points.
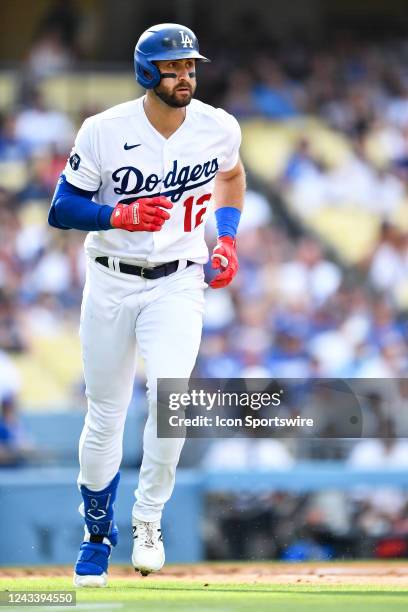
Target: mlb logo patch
(74, 161)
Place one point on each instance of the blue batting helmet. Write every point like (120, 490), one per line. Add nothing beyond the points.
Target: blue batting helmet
(165, 41)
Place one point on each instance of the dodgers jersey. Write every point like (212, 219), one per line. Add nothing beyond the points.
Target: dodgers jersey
(120, 155)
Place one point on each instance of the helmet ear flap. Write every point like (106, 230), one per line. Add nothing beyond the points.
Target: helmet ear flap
(147, 74)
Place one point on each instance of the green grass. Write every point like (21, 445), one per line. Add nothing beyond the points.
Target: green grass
(124, 595)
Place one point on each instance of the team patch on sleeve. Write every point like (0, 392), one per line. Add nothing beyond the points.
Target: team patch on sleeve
(74, 161)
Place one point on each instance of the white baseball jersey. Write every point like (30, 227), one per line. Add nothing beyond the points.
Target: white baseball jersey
(121, 156)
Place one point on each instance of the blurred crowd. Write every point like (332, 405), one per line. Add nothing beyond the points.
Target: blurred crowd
(328, 524)
(293, 311)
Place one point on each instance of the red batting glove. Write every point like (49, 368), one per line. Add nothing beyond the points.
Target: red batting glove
(224, 258)
(144, 215)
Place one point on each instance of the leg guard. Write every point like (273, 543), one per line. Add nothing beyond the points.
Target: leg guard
(98, 512)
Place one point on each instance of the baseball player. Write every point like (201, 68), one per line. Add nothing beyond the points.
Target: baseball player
(140, 179)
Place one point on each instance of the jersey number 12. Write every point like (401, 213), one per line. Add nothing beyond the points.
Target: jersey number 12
(192, 216)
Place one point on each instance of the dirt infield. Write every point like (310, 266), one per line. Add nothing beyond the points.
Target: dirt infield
(392, 573)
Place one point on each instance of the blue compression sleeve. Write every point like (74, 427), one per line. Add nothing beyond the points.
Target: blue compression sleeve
(73, 208)
(227, 218)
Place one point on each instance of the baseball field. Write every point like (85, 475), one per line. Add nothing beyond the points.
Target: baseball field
(232, 587)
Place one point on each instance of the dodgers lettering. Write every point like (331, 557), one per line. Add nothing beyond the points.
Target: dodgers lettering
(176, 182)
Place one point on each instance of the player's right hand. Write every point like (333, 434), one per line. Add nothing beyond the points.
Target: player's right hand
(143, 215)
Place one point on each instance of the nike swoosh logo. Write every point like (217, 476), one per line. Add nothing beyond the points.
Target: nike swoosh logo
(128, 147)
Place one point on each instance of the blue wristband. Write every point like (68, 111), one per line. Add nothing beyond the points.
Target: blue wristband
(227, 218)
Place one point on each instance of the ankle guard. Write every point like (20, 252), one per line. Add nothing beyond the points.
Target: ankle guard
(98, 512)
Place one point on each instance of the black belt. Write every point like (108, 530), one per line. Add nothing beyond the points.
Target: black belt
(149, 273)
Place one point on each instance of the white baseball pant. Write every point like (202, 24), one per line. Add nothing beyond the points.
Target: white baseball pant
(163, 318)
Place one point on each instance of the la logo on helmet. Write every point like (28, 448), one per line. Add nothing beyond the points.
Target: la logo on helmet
(186, 41)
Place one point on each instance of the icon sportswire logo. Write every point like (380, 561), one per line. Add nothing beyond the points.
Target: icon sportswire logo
(127, 147)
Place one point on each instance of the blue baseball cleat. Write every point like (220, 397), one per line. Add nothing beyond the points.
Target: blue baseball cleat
(101, 533)
(92, 565)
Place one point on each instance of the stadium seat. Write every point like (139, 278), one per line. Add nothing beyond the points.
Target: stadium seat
(73, 93)
(8, 86)
(267, 145)
(34, 212)
(13, 175)
(400, 217)
(350, 230)
(46, 379)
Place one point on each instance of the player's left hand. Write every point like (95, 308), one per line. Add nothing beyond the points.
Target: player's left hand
(224, 258)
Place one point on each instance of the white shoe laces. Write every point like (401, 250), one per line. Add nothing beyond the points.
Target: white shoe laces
(148, 534)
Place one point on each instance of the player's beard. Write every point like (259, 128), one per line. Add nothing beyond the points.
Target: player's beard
(172, 100)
